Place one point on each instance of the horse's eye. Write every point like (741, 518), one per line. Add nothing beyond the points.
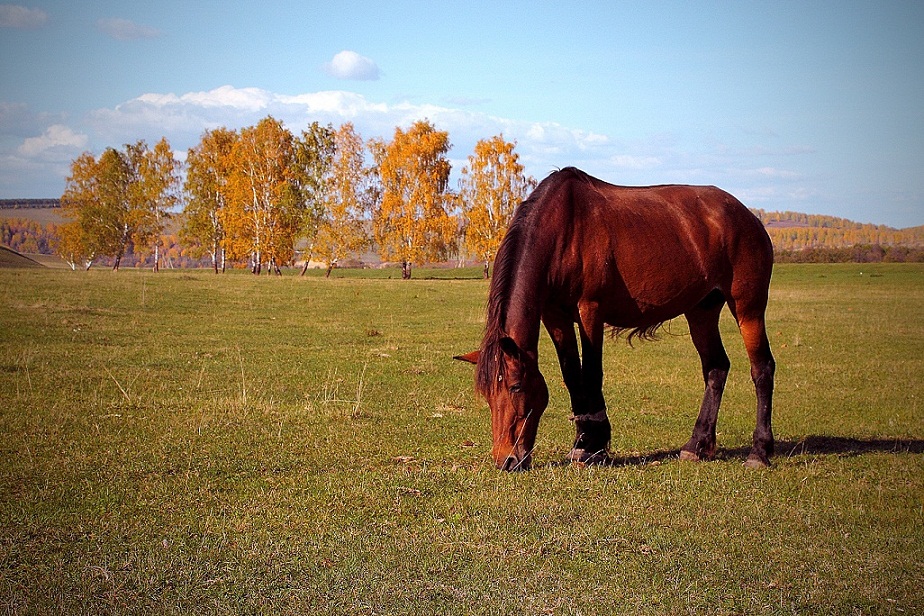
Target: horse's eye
(515, 388)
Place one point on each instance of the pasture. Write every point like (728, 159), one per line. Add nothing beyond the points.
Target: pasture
(192, 443)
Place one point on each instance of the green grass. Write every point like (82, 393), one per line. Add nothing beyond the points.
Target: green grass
(191, 443)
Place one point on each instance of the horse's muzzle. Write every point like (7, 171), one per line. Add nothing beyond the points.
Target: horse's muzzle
(513, 464)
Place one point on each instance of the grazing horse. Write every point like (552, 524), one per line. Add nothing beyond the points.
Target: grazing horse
(585, 252)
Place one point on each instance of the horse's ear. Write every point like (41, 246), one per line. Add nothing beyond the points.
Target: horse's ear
(509, 347)
(471, 358)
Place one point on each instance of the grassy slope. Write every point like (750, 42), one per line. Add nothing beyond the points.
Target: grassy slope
(11, 258)
(185, 442)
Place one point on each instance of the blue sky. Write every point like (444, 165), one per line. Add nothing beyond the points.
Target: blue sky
(806, 106)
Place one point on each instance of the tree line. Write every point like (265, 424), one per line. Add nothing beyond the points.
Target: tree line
(254, 195)
(858, 253)
(262, 195)
(32, 237)
(29, 236)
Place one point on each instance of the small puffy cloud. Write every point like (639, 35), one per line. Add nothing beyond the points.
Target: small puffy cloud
(126, 30)
(56, 143)
(350, 65)
(16, 16)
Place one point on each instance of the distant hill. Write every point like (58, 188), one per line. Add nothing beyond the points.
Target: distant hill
(796, 231)
(11, 258)
(6, 204)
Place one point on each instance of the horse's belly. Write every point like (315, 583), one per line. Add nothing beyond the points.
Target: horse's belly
(653, 304)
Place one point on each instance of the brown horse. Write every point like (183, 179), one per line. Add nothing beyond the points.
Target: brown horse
(582, 251)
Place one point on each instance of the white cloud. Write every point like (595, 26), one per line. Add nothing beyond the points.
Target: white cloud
(57, 143)
(350, 65)
(553, 138)
(16, 16)
(543, 146)
(245, 99)
(126, 30)
(35, 149)
(772, 195)
(338, 102)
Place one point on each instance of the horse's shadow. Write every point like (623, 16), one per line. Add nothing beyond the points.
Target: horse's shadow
(847, 446)
(812, 445)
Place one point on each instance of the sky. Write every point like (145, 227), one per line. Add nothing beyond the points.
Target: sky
(807, 106)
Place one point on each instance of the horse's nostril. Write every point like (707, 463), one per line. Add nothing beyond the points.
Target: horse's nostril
(513, 464)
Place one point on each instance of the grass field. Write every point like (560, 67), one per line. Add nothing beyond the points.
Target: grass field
(191, 443)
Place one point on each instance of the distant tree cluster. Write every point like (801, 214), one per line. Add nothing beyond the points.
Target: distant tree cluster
(792, 231)
(30, 204)
(29, 236)
(859, 253)
(120, 200)
(256, 194)
(251, 194)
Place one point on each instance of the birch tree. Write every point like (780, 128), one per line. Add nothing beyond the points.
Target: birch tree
(97, 199)
(208, 169)
(347, 201)
(411, 223)
(492, 185)
(154, 190)
(258, 192)
(314, 153)
(79, 243)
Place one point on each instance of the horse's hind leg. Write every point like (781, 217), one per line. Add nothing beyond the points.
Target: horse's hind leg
(704, 330)
(753, 330)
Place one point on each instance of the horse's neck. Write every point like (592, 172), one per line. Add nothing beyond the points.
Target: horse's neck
(524, 311)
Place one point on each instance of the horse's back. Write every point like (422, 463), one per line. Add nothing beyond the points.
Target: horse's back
(674, 220)
(653, 251)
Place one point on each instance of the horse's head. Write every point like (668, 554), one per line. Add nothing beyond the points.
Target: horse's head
(517, 395)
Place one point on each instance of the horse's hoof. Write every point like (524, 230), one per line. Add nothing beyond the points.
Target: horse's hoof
(756, 461)
(689, 456)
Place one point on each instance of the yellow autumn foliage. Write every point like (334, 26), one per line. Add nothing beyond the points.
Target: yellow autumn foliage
(493, 184)
(412, 224)
(346, 200)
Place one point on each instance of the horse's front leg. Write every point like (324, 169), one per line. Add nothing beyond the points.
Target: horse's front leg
(560, 326)
(591, 423)
(561, 330)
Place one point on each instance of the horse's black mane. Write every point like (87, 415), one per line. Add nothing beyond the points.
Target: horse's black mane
(509, 255)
